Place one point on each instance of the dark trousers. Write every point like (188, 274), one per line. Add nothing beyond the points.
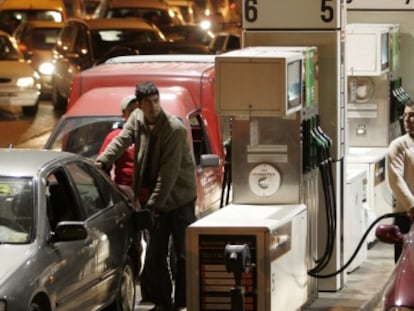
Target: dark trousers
(404, 223)
(157, 273)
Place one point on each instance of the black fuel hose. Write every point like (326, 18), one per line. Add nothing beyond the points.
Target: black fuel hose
(325, 276)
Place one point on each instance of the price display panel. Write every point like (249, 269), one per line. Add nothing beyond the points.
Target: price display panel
(293, 14)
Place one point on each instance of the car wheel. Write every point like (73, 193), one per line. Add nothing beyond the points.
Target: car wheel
(30, 110)
(125, 297)
(38, 306)
(59, 102)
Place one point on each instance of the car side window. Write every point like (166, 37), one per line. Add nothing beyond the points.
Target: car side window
(81, 43)
(233, 43)
(65, 42)
(93, 194)
(201, 141)
(60, 200)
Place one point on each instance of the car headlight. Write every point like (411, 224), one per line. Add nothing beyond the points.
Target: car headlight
(46, 68)
(25, 82)
(205, 24)
(3, 306)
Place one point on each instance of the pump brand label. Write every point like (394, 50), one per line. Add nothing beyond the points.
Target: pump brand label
(264, 180)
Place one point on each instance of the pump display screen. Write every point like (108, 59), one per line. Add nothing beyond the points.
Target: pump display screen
(385, 51)
(294, 84)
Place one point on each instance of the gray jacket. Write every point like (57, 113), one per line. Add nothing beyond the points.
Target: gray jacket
(170, 167)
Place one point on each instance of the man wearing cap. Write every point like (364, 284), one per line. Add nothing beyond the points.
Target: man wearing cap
(124, 166)
(165, 182)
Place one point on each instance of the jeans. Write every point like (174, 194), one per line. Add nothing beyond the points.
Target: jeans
(157, 273)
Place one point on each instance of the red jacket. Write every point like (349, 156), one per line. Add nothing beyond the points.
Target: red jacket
(124, 166)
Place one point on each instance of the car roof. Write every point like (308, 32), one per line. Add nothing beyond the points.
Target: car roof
(113, 23)
(44, 24)
(32, 5)
(105, 101)
(138, 4)
(27, 162)
(158, 65)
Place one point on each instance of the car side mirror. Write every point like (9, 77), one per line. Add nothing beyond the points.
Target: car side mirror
(209, 160)
(70, 231)
(390, 234)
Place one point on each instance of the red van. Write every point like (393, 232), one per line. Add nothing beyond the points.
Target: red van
(97, 112)
(194, 73)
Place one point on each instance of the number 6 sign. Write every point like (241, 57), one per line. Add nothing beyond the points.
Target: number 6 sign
(292, 14)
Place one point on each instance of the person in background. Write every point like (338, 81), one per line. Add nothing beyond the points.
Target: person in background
(165, 185)
(400, 168)
(123, 167)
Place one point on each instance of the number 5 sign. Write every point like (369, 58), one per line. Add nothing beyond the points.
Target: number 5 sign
(292, 14)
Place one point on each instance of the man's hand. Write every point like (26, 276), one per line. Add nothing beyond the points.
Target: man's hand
(98, 164)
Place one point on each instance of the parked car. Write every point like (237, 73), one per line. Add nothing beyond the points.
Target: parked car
(398, 294)
(19, 82)
(155, 11)
(67, 236)
(84, 126)
(13, 12)
(188, 33)
(83, 43)
(36, 39)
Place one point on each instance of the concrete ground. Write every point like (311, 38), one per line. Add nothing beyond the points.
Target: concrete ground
(364, 286)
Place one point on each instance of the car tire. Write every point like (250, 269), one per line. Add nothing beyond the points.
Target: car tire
(38, 306)
(30, 110)
(125, 297)
(59, 102)
(34, 307)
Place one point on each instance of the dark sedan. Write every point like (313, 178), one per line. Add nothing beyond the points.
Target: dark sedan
(67, 238)
(84, 43)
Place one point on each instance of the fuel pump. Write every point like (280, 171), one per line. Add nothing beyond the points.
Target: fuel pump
(375, 100)
(279, 152)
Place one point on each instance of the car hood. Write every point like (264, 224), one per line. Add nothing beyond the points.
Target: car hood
(400, 286)
(12, 258)
(15, 68)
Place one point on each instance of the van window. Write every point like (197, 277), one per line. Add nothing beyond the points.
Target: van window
(201, 141)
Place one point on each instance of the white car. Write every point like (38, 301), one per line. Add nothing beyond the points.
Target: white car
(19, 82)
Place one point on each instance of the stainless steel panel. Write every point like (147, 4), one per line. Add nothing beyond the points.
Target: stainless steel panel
(330, 59)
(274, 141)
(369, 120)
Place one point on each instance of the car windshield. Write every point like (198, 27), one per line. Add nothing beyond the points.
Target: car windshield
(45, 38)
(105, 39)
(157, 16)
(16, 210)
(7, 50)
(28, 15)
(83, 135)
